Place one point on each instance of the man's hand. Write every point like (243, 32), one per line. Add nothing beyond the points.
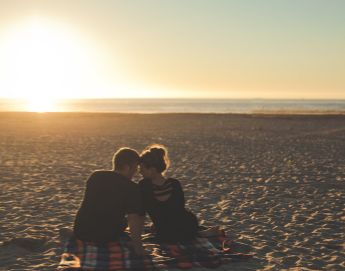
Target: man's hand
(141, 251)
(135, 229)
(153, 228)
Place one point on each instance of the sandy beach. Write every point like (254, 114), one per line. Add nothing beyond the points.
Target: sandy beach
(275, 183)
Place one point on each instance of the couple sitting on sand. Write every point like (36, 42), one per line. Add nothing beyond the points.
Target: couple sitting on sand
(110, 196)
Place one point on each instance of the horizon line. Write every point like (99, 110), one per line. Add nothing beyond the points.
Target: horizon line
(166, 98)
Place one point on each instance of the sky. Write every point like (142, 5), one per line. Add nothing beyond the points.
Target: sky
(286, 49)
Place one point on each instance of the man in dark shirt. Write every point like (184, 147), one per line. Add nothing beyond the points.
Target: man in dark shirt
(110, 196)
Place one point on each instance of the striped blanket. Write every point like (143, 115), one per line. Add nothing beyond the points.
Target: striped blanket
(202, 252)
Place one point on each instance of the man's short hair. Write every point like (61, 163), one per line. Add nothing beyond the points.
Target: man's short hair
(125, 156)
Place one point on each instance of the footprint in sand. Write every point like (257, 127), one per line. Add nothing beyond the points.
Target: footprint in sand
(27, 243)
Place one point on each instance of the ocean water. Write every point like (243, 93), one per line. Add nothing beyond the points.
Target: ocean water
(171, 105)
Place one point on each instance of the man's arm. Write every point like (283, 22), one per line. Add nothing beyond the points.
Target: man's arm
(135, 229)
(142, 221)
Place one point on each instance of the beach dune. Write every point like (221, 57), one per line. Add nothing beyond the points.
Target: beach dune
(275, 183)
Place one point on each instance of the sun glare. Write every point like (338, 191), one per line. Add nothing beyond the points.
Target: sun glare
(40, 105)
(43, 61)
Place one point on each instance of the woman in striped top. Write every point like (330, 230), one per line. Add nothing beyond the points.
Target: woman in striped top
(163, 200)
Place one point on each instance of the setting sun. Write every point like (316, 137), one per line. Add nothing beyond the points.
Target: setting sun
(40, 105)
(43, 61)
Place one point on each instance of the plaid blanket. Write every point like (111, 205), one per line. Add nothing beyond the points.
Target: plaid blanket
(202, 252)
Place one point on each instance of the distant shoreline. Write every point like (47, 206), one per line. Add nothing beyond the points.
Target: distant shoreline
(257, 114)
(177, 106)
(300, 112)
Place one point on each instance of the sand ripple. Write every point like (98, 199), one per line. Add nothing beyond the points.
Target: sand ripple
(277, 189)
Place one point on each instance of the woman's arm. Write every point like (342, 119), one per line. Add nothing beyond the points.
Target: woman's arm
(178, 192)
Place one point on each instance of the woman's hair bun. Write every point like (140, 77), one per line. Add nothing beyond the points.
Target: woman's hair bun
(155, 156)
(157, 151)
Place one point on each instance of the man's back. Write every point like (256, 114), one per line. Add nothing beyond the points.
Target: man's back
(108, 197)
